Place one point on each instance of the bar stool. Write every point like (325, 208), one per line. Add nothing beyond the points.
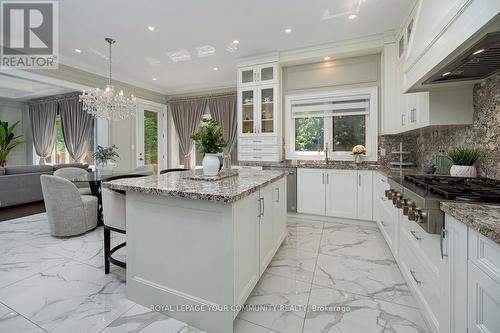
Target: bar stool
(114, 213)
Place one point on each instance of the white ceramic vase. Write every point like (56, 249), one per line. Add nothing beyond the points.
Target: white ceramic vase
(463, 171)
(211, 165)
(106, 168)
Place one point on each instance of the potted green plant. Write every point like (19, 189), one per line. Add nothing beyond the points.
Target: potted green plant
(105, 156)
(8, 140)
(210, 141)
(463, 160)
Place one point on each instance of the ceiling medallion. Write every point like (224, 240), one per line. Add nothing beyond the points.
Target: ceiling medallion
(107, 104)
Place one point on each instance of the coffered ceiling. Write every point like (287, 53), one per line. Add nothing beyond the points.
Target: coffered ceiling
(169, 46)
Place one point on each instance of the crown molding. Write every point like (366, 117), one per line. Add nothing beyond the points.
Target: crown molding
(343, 49)
(202, 88)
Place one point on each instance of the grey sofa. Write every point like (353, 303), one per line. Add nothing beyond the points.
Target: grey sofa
(20, 184)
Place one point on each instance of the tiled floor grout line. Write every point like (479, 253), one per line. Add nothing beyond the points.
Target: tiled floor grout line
(314, 272)
(24, 317)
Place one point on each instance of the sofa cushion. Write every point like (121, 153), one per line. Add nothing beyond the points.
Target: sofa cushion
(18, 169)
(70, 165)
(2, 171)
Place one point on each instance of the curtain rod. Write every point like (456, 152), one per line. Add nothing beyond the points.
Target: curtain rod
(190, 98)
(54, 98)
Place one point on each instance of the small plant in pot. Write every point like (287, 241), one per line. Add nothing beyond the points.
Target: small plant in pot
(210, 141)
(8, 140)
(105, 158)
(463, 160)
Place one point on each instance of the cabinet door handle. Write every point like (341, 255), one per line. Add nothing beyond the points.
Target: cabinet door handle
(327, 178)
(359, 180)
(443, 236)
(260, 207)
(415, 235)
(278, 194)
(412, 272)
(323, 176)
(263, 206)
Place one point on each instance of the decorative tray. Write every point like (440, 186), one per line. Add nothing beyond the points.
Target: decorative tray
(223, 174)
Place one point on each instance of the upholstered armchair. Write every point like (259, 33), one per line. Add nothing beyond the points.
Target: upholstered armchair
(72, 173)
(69, 212)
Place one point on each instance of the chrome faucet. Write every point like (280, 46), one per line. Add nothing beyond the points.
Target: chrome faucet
(326, 152)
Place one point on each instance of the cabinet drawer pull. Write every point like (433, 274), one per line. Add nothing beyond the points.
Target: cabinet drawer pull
(414, 234)
(257, 149)
(257, 141)
(382, 222)
(257, 157)
(443, 236)
(412, 272)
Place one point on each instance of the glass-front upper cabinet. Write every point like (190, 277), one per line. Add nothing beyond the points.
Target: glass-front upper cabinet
(247, 111)
(267, 96)
(268, 73)
(261, 74)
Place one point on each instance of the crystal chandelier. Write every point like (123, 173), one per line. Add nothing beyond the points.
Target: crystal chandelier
(107, 104)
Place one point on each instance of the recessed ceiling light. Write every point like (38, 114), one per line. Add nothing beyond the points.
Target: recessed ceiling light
(179, 55)
(446, 74)
(478, 51)
(151, 28)
(154, 79)
(288, 31)
(327, 58)
(236, 42)
(78, 51)
(352, 16)
(216, 68)
(205, 51)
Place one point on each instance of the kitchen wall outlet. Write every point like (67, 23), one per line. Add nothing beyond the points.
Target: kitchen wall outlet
(382, 151)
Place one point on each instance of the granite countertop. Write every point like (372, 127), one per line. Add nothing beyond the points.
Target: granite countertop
(340, 165)
(482, 217)
(174, 184)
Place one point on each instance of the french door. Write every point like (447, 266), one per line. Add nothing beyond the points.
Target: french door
(150, 136)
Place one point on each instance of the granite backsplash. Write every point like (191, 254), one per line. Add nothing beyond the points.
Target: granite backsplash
(483, 133)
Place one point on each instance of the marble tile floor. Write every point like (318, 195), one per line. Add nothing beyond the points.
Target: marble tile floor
(326, 277)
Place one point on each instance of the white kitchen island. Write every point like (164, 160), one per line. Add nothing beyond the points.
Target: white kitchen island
(197, 246)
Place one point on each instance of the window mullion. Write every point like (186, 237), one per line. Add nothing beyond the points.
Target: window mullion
(328, 132)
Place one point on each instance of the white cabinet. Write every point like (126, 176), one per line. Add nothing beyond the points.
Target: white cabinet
(484, 302)
(279, 211)
(365, 195)
(484, 284)
(456, 248)
(266, 244)
(259, 124)
(311, 191)
(341, 193)
(258, 74)
(335, 193)
(404, 112)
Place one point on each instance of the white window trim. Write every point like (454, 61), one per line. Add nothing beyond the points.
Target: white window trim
(371, 126)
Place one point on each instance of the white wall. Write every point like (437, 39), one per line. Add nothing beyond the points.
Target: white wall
(12, 111)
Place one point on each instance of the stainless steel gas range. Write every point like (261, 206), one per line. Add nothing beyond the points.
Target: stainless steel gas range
(419, 196)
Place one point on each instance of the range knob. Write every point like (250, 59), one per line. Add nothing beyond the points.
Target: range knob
(421, 218)
(400, 202)
(395, 198)
(389, 193)
(407, 207)
(413, 213)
